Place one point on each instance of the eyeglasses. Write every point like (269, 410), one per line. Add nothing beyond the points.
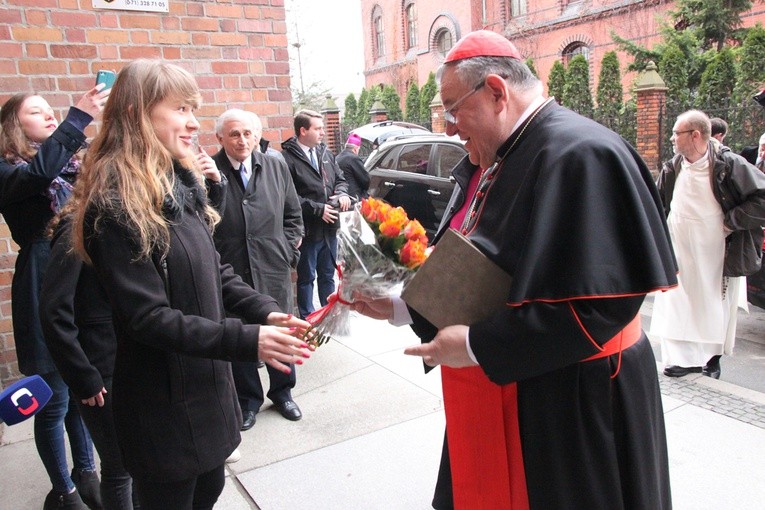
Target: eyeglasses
(678, 133)
(450, 114)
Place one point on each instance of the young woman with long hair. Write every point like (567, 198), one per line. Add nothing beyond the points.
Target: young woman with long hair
(143, 219)
(38, 167)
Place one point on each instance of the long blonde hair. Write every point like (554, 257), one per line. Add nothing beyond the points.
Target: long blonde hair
(127, 172)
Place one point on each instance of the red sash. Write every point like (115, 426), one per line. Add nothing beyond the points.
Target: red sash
(484, 435)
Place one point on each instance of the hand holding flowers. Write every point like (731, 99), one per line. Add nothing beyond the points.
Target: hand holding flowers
(379, 248)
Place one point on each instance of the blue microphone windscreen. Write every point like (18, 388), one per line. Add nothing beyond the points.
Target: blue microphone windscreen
(23, 399)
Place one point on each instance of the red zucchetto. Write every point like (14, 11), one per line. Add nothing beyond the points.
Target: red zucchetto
(482, 43)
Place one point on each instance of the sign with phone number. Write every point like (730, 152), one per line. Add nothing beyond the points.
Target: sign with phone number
(133, 5)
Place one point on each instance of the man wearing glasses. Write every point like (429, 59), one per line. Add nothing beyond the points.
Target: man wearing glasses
(715, 205)
(553, 401)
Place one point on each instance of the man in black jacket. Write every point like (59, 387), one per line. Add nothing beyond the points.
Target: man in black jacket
(353, 168)
(323, 193)
(259, 234)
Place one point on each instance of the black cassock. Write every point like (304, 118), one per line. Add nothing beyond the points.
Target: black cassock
(573, 215)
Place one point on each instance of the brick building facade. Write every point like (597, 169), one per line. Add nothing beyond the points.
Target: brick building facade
(407, 39)
(237, 49)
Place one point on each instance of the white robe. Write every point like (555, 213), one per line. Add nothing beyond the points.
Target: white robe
(697, 319)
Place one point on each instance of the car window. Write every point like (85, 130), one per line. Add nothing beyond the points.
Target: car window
(388, 160)
(365, 150)
(414, 157)
(448, 156)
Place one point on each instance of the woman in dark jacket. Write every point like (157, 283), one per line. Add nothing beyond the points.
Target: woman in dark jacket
(76, 319)
(38, 165)
(143, 219)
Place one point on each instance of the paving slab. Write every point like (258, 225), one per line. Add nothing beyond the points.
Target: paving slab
(394, 469)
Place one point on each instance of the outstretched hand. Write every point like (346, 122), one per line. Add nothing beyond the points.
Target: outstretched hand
(280, 343)
(447, 348)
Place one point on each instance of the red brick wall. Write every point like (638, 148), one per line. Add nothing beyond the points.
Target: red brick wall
(237, 49)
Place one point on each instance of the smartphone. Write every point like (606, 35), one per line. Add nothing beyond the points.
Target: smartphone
(107, 77)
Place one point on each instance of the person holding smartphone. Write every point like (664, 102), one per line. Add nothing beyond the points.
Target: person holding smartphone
(143, 219)
(39, 164)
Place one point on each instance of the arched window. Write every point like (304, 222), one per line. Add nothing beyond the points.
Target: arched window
(574, 49)
(444, 42)
(379, 33)
(411, 25)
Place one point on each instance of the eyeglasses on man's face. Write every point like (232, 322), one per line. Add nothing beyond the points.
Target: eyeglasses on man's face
(450, 115)
(678, 133)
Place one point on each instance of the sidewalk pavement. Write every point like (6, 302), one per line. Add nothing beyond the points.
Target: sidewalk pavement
(373, 427)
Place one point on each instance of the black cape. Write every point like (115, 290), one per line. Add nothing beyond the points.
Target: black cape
(574, 216)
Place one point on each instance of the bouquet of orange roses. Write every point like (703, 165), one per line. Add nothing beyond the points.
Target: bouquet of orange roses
(378, 248)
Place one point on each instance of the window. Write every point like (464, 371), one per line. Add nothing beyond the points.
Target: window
(517, 8)
(414, 158)
(389, 160)
(444, 42)
(448, 157)
(574, 49)
(411, 26)
(377, 22)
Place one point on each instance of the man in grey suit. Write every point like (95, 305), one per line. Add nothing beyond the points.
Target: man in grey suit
(259, 235)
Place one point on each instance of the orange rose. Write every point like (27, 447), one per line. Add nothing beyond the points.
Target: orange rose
(390, 228)
(415, 231)
(396, 218)
(367, 208)
(413, 254)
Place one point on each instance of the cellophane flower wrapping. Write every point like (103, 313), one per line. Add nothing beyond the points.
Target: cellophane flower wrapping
(378, 249)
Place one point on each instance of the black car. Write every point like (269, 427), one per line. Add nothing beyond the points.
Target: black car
(414, 172)
(375, 134)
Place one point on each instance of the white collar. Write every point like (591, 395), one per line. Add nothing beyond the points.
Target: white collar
(528, 111)
(306, 149)
(247, 164)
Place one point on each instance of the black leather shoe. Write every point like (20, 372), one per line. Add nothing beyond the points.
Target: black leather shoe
(248, 420)
(676, 371)
(711, 371)
(289, 409)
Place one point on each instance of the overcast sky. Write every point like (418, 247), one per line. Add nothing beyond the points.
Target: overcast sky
(331, 51)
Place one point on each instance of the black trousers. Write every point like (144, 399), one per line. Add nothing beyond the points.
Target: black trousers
(198, 493)
(249, 389)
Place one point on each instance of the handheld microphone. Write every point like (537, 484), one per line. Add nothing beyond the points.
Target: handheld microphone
(23, 399)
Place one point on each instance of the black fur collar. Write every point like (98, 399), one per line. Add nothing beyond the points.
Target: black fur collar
(188, 194)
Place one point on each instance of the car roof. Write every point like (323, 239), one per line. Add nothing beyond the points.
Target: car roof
(424, 137)
(375, 130)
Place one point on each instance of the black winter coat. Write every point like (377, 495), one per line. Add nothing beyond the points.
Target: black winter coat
(175, 405)
(261, 226)
(27, 212)
(315, 189)
(76, 319)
